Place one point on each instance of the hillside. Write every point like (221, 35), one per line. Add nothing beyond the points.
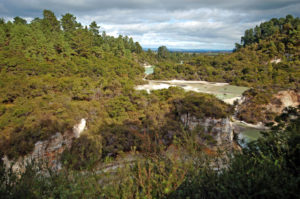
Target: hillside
(267, 61)
(56, 73)
(252, 64)
(72, 124)
(53, 73)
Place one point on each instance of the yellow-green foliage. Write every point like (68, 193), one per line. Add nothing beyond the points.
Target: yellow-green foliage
(51, 77)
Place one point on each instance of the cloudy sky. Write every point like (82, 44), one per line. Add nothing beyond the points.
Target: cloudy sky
(189, 24)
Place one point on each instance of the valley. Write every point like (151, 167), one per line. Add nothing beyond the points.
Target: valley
(84, 114)
(223, 91)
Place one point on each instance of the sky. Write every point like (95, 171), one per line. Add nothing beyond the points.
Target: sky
(183, 24)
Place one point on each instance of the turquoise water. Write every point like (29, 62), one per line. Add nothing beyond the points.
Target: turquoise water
(248, 134)
(149, 70)
(221, 91)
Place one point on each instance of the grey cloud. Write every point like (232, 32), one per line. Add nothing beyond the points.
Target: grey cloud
(177, 23)
(167, 5)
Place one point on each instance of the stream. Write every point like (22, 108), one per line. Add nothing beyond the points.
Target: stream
(223, 91)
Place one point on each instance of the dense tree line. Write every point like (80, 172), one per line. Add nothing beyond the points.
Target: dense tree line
(286, 25)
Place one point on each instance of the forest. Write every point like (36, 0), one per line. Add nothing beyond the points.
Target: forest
(53, 75)
(54, 72)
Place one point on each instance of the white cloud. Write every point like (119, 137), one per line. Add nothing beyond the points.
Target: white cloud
(214, 24)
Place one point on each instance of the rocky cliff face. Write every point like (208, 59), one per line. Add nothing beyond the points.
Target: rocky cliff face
(252, 111)
(221, 130)
(282, 100)
(48, 150)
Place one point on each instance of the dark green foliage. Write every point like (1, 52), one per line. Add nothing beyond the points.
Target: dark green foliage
(202, 106)
(162, 52)
(138, 48)
(269, 28)
(50, 21)
(120, 138)
(19, 20)
(85, 153)
(94, 28)
(68, 23)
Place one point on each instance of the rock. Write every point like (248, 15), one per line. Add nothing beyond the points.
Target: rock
(220, 129)
(276, 61)
(282, 100)
(250, 111)
(79, 128)
(48, 150)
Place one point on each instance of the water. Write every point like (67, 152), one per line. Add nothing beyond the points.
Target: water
(149, 70)
(248, 134)
(223, 91)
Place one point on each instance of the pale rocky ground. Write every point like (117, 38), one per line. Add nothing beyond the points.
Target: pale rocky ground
(223, 91)
(220, 129)
(284, 99)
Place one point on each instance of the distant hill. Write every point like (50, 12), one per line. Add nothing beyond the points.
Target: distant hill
(192, 50)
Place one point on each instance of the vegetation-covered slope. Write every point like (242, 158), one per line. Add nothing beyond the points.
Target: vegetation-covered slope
(268, 60)
(51, 77)
(267, 168)
(251, 64)
(55, 72)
